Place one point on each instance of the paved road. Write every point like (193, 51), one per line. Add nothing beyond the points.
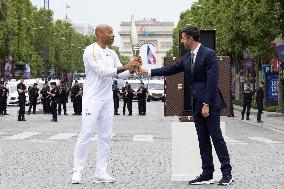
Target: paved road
(38, 153)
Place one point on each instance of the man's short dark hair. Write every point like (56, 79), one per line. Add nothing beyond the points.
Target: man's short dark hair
(192, 31)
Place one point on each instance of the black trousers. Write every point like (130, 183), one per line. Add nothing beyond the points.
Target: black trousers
(1, 104)
(5, 104)
(129, 106)
(63, 103)
(124, 105)
(246, 106)
(259, 104)
(54, 110)
(142, 106)
(77, 105)
(22, 104)
(46, 105)
(32, 105)
(206, 128)
(115, 104)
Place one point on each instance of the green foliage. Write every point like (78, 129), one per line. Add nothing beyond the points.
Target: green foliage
(26, 31)
(239, 24)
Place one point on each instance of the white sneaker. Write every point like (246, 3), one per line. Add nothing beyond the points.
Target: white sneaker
(104, 178)
(76, 177)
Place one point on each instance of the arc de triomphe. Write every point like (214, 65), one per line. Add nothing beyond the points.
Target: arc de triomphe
(150, 31)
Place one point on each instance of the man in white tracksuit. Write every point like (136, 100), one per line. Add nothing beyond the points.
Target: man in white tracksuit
(101, 64)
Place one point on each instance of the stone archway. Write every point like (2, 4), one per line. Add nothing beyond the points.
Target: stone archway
(150, 31)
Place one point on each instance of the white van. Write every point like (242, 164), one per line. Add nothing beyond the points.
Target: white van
(156, 90)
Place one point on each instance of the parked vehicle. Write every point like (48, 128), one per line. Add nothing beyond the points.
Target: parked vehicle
(156, 90)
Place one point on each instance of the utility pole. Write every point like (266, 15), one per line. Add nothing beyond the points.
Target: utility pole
(46, 49)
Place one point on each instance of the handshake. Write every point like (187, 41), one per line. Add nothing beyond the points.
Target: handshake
(134, 67)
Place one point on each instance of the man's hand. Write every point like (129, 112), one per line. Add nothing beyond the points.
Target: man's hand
(143, 72)
(205, 110)
(132, 66)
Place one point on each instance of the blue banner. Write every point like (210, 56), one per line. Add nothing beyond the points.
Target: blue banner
(271, 87)
(28, 71)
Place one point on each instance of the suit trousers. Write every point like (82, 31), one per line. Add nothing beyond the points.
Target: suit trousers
(206, 128)
(100, 114)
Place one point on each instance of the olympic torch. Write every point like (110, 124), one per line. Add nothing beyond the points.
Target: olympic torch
(134, 39)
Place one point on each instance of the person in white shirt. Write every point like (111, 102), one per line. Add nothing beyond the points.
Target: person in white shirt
(101, 64)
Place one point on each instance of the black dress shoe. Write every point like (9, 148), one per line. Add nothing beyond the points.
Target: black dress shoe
(74, 114)
(65, 114)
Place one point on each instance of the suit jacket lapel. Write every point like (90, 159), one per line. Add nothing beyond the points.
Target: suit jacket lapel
(199, 56)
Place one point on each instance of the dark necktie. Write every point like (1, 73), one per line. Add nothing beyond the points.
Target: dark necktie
(192, 62)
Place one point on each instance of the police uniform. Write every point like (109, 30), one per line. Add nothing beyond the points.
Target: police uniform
(76, 98)
(100, 66)
(141, 95)
(259, 96)
(64, 92)
(33, 95)
(45, 99)
(129, 98)
(115, 91)
(54, 100)
(3, 99)
(124, 97)
(247, 102)
(21, 87)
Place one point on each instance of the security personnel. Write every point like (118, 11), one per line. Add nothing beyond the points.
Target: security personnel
(54, 94)
(248, 95)
(4, 92)
(75, 97)
(64, 92)
(33, 95)
(129, 97)
(45, 99)
(116, 96)
(22, 89)
(123, 92)
(101, 64)
(142, 95)
(259, 96)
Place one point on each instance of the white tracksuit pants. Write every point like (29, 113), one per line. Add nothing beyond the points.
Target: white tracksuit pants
(100, 114)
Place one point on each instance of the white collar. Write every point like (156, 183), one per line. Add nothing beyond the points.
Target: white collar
(195, 51)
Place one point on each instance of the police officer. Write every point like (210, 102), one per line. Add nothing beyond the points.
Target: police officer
(248, 95)
(116, 96)
(259, 96)
(123, 92)
(54, 94)
(4, 92)
(129, 97)
(64, 92)
(45, 99)
(22, 89)
(33, 95)
(75, 97)
(142, 95)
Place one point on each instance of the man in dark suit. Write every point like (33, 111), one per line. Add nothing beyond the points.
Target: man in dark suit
(201, 70)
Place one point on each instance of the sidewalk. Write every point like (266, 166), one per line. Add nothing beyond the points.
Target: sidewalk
(271, 120)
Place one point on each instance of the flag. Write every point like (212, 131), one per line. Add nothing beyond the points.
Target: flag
(150, 56)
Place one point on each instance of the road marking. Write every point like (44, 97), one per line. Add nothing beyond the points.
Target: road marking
(41, 141)
(233, 141)
(62, 136)
(143, 138)
(264, 140)
(22, 136)
(95, 137)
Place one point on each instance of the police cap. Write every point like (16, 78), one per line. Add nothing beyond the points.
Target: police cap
(53, 83)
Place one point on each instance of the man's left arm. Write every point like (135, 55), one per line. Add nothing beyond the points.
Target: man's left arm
(212, 73)
(124, 75)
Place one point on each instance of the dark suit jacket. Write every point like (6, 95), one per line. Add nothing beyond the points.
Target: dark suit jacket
(203, 82)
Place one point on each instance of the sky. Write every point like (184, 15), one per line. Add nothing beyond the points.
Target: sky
(113, 12)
